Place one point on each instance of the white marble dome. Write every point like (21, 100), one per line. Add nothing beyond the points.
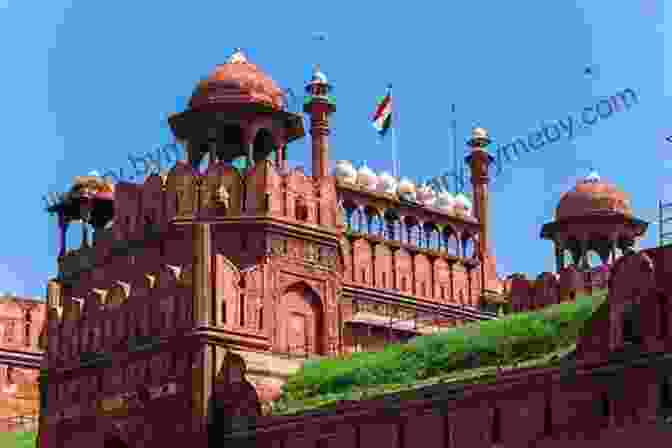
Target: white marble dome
(366, 177)
(593, 177)
(345, 172)
(426, 195)
(406, 186)
(406, 189)
(444, 200)
(479, 133)
(387, 183)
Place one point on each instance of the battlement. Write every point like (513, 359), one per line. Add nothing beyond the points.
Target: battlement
(548, 288)
(222, 192)
(156, 305)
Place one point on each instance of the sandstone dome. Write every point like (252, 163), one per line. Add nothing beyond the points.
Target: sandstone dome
(593, 196)
(237, 82)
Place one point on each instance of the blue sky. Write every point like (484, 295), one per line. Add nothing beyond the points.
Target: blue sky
(86, 83)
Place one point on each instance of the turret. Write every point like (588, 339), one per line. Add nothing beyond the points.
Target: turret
(319, 105)
(479, 161)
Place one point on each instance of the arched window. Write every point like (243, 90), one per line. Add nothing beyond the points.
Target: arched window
(301, 210)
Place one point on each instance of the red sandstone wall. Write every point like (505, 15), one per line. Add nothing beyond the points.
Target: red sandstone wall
(574, 404)
(19, 332)
(527, 407)
(527, 295)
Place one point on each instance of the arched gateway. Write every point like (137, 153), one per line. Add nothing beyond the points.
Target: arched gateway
(301, 320)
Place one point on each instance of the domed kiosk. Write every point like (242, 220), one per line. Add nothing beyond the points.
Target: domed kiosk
(237, 111)
(593, 216)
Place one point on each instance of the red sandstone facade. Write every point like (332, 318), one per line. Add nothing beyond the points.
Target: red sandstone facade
(21, 321)
(615, 390)
(265, 262)
(188, 309)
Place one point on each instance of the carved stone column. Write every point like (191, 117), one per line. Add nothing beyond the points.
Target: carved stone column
(85, 235)
(613, 245)
(202, 281)
(559, 255)
(583, 257)
(63, 230)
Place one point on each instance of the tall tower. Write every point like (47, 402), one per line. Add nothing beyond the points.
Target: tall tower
(479, 161)
(319, 106)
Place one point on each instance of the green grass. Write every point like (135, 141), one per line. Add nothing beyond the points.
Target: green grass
(532, 338)
(17, 439)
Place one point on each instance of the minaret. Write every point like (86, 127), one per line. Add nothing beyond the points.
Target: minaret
(319, 106)
(479, 161)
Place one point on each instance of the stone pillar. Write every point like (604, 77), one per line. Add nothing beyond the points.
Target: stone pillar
(63, 230)
(559, 255)
(613, 240)
(85, 235)
(54, 299)
(583, 259)
(202, 269)
(280, 157)
(201, 392)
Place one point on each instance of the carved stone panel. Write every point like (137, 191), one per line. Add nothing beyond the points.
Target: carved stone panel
(310, 251)
(278, 245)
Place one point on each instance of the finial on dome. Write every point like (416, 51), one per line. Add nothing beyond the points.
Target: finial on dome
(592, 176)
(479, 138)
(318, 85)
(237, 57)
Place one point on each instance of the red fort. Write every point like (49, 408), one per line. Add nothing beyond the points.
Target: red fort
(202, 290)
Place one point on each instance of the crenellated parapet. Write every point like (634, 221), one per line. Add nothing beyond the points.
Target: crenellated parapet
(222, 192)
(152, 304)
(549, 288)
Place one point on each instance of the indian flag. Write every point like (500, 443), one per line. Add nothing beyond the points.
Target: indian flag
(382, 118)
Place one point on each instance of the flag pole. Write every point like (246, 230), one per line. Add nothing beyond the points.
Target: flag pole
(395, 160)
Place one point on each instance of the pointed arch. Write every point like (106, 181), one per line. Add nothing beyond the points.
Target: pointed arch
(186, 276)
(118, 294)
(229, 301)
(166, 277)
(301, 319)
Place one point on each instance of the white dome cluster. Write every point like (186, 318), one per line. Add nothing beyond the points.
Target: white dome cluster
(405, 188)
(387, 183)
(445, 201)
(366, 177)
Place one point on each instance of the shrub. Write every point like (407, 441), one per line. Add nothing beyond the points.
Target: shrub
(514, 337)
